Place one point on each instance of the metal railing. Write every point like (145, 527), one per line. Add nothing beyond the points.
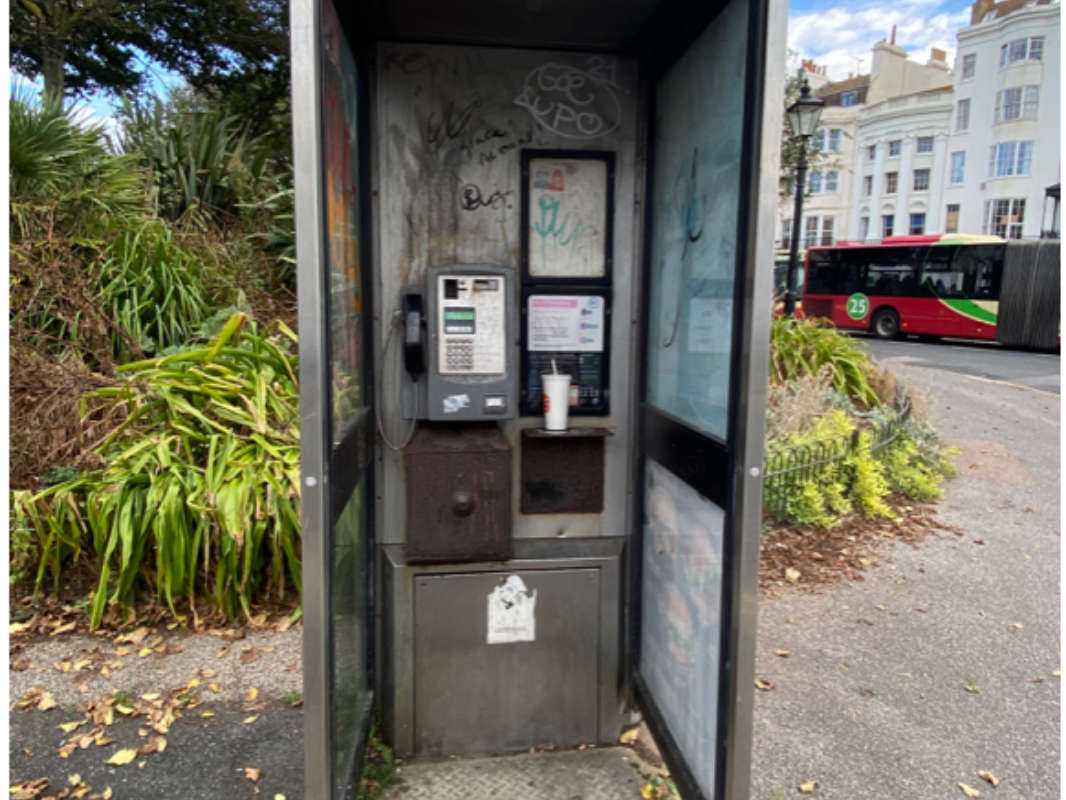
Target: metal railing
(787, 468)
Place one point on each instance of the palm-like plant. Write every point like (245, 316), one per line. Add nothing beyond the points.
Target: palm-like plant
(66, 171)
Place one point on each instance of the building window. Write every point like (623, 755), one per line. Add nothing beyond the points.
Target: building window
(969, 65)
(1036, 48)
(871, 152)
(1005, 217)
(786, 233)
(1010, 158)
(951, 219)
(864, 228)
(958, 166)
(1031, 102)
(891, 178)
(894, 147)
(962, 115)
(827, 231)
(849, 98)
(832, 178)
(818, 141)
(917, 224)
(810, 232)
(924, 144)
(1021, 102)
(887, 221)
(835, 137)
(816, 182)
(867, 185)
(921, 180)
(1031, 49)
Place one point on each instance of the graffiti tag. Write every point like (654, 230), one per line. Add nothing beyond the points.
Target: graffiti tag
(473, 198)
(570, 102)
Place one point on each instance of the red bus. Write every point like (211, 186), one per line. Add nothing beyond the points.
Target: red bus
(938, 285)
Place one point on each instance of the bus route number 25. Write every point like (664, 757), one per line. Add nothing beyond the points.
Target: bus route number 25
(858, 306)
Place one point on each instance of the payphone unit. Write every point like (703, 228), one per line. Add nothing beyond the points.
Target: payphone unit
(459, 342)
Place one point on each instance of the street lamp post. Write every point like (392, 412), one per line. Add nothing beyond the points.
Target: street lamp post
(803, 116)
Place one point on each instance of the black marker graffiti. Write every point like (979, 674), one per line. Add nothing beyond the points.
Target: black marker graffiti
(473, 198)
(450, 124)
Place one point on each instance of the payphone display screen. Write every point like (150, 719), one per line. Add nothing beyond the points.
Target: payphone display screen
(471, 325)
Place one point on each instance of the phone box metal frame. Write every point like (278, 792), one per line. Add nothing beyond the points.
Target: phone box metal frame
(409, 123)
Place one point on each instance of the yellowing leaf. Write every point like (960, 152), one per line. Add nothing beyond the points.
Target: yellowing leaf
(214, 687)
(251, 719)
(763, 686)
(969, 791)
(782, 653)
(647, 792)
(29, 790)
(792, 574)
(630, 736)
(252, 695)
(193, 683)
(46, 701)
(279, 796)
(123, 757)
(74, 779)
(150, 696)
(251, 773)
(988, 776)
(68, 727)
(1056, 672)
(207, 713)
(144, 652)
(14, 629)
(808, 787)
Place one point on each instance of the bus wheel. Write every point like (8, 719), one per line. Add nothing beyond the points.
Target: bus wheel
(885, 324)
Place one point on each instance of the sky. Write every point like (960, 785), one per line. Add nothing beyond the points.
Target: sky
(835, 33)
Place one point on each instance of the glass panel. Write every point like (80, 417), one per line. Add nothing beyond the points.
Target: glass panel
(341, 167)
(680, 608)
(695, 194)
(348, 619)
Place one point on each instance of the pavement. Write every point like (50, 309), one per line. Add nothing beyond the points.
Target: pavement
(941, 664)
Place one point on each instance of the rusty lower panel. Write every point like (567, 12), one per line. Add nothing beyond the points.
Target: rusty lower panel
(562, 476)
(458, 494)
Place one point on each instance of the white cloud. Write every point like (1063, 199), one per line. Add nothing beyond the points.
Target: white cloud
(840, 38)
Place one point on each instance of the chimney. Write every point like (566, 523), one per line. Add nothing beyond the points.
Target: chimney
(979, 9)
(893, 39)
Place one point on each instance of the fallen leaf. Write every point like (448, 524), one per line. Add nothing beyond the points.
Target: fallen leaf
(29, 790)
(1056, 672)
(1017, 626)
(150, 696)
(782, 653)
(808, 787)
(173, 648)
(988, 776)
(67, 628)
(258, 621)
(70, 727)
(630, 736)
(14, 629)
(136, 637)
(792, 575)
(763, 686)
(251, 695)
(207, 713)
(279, 796)
(251, 773)
(74, 779)
(249, 655)
(83, 688)
(972, 687)
(214, 687)
(221, 652)
(21, 664)
(144, 652)
(207, 674)
(969, 791)
(251, 719)
(122, 757)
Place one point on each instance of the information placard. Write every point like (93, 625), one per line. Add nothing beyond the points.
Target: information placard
(566, 322)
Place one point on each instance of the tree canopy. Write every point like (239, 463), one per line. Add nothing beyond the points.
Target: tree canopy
(232, 48)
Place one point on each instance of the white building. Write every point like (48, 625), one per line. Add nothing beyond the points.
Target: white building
(833, 191)
(930, 150)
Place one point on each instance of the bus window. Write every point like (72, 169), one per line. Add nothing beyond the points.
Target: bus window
(982, 267)
(833, 272)
(891, 272)
(943, 274)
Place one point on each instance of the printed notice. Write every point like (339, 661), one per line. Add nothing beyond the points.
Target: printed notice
(710, 325)
(571, 323)
(512, 615)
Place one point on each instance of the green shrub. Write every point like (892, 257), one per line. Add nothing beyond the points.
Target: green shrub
(801, 347)
(200, 495)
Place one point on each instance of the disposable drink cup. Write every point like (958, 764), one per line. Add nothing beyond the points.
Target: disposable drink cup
(556, 400)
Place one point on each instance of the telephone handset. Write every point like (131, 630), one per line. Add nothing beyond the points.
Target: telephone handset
(459, 336)
(414, 335)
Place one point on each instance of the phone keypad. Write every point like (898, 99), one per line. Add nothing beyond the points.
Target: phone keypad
(459, 354)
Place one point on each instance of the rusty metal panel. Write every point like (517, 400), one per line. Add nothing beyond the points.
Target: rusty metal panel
(459, 494)
(562, 474)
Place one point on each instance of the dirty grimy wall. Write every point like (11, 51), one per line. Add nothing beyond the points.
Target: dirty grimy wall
(448, 129)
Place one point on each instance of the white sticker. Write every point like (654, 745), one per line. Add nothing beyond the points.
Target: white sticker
(454, 403)
(511, 612)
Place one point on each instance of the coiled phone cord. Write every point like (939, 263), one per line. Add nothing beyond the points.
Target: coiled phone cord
(397, 317)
